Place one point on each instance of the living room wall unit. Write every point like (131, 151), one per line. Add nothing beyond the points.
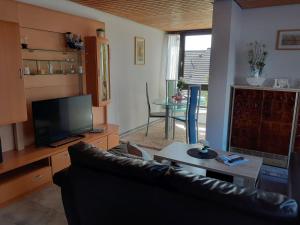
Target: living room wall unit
(32, 168)
(44, 29)
(128, 80)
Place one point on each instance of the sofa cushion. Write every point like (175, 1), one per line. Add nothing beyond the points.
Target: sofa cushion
(86, 155)
(248, 200)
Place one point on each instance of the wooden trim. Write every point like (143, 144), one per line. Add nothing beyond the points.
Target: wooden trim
(248, 4)
(192, 32)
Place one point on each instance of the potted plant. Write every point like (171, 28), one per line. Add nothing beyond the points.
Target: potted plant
(256, 58)
(181, 84)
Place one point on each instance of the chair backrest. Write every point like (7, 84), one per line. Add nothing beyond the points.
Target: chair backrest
(171, 88)
(148, 100)
(192, 112)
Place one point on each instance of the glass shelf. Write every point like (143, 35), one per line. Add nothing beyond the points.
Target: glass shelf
(52, 50)
(51, 62)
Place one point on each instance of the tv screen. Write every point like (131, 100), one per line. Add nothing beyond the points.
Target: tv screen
(57, 119)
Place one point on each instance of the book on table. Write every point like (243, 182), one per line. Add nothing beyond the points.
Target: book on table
(232, 159)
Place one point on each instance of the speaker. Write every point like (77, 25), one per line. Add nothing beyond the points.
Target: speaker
(1, 158)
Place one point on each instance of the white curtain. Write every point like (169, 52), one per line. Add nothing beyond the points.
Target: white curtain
(172, 61)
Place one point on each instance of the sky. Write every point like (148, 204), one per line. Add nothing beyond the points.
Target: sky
(197, 42)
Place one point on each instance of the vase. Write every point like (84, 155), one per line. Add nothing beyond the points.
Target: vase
(255, 81)
(256, 72)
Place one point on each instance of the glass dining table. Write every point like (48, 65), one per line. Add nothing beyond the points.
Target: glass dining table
(170, 105)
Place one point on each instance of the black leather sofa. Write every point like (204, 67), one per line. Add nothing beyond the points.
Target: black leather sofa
(102, 188)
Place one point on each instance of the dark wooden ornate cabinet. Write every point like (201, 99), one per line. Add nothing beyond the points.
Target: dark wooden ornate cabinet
(262, 123)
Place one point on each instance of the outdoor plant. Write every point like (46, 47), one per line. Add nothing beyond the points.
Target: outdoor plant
(257, 56)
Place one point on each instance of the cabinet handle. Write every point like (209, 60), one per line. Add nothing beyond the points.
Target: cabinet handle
(21, 73)
(37, 177)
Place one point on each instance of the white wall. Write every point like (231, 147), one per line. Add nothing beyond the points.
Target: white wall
(225, 38)
(233, 29)
(128, 107)
(262, 25)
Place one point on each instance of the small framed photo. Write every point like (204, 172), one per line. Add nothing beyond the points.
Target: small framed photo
(139, 56)
(288, 40)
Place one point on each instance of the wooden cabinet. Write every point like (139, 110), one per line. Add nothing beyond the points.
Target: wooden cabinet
(297, 135)
(97, 66)
(113, 140)
(100, 143)
(60, 161)
(262, 122)
(12, 93)
(26, 170)
(18, 184)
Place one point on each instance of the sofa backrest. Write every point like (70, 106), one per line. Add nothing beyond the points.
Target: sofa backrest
(133, 188)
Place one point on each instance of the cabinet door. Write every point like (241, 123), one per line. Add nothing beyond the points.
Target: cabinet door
(276, 123)
(12, 93)
(246, 119)
(104, 81)
(60, 161)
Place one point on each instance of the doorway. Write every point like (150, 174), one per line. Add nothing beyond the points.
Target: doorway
(194, 66)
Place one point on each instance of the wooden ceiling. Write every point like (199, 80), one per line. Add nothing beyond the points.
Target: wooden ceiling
(171, 15)
(167, 15)
(247, 4)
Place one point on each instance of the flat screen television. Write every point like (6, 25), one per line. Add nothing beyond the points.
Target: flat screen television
(57, 119)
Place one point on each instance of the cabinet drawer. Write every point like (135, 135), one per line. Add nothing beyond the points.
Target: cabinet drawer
(21, 184)
(113, 140)
(60, 161)
(100, 143)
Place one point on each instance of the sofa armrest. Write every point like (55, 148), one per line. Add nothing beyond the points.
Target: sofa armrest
(60, 177)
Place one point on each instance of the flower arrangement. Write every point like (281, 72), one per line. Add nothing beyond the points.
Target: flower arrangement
(181, 84)
(257, 55)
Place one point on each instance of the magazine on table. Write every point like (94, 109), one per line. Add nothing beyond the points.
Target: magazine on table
(232, 159)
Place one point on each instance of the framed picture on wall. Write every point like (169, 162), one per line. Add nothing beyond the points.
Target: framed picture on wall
(288, 40)
(139, 55)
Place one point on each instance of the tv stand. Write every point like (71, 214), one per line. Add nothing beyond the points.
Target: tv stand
(25, 171)
(66, 141)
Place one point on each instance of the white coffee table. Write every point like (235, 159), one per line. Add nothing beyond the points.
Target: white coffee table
(245, 174)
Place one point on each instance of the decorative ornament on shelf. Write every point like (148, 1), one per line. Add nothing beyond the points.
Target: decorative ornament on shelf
(281, 83)
(257, 56)
(74, 41)
(24, 42)
(205, 147)
(100, 33)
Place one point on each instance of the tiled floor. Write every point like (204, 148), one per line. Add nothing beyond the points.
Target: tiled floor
(40, 208)
(156, 136)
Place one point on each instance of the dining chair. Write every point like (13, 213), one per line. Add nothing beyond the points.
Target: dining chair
(190, 117)
(150, 113)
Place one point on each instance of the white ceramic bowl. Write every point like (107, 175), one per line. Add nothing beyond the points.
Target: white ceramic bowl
(255, 81)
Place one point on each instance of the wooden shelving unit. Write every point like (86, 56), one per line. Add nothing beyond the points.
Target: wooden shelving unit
(24, 171)
(98, 70)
